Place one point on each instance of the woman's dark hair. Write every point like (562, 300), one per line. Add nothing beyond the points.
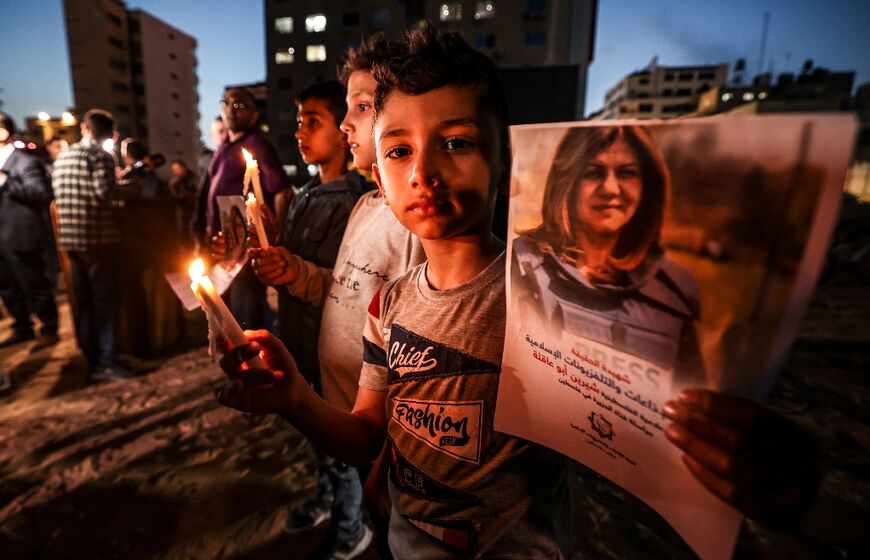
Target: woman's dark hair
(429, 61)
(557, 233)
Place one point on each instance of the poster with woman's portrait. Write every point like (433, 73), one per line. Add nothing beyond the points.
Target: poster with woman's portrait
(234, 226)
(649, 256)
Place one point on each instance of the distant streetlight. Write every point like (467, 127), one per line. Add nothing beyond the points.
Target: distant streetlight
(109, 145)
(43, 116)
(68, 118)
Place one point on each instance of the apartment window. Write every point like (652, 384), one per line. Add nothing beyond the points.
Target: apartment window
(115, 42)
(174, 95)
(285, 55)
(645, 108)
(644, 81)
(706, 76)
(684, 92)
(315, 23)
(119, 87)
(484, 10)
(172, 56)
(536, 9)
(284, 25)
(171, 36)
(381, 18)
(114, 19)
(117, 64)
(667, 93)
(450, 11)
(485, 41)
(350, 19)
(534, 38)
(285, 83)
(669, 77)
(173, 75)
(315, 53)
(685, 76)
(177, 115)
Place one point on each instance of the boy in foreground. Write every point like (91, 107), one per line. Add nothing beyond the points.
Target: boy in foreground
(434, 338)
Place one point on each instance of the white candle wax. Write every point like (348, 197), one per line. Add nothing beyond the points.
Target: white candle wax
(212, 303)
(252, 174)
(253, 211)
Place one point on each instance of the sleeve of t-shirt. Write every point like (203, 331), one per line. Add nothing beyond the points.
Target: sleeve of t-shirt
(374, 368)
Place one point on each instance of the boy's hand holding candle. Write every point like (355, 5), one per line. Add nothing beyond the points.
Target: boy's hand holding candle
(220, 320)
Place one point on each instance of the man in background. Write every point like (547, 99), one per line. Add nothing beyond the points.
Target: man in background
(25, 285)
(84, 186)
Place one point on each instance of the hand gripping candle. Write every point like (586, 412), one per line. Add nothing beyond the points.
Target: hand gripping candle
(220, 320)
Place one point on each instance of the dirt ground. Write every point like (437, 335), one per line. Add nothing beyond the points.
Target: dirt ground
(153, 467)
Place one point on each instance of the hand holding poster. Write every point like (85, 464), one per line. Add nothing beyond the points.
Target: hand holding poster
(649, 258)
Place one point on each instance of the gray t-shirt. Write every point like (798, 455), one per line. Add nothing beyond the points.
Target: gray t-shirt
(457, 486)
(375, 248)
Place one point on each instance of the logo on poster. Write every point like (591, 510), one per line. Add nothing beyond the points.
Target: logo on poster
(601, 425)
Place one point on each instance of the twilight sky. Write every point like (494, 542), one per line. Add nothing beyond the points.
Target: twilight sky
(34, 68)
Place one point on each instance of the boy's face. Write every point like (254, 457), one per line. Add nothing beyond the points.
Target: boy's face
(357, 124)
(438, 162)
(320, 140)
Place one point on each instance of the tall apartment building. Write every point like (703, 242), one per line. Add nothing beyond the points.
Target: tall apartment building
(139, 68)
(542, 47)
(658, 92)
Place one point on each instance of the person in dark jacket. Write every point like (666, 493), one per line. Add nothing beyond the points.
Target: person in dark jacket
(25, 233)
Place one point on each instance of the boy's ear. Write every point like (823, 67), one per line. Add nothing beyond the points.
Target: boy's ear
(377, 173)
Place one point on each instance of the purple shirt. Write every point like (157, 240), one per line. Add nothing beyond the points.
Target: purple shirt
(227, 171)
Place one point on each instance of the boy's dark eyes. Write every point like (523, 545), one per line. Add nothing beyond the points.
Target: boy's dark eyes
(456, 144)
(363, 107)
(397, 152)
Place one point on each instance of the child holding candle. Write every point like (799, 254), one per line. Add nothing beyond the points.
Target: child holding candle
(375, 249)
(434, 338)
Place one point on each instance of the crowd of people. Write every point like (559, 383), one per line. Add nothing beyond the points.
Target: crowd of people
(391, 307)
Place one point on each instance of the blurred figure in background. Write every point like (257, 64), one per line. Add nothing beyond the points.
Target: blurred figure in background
(84, 184)
(182, 187)
(25, 232)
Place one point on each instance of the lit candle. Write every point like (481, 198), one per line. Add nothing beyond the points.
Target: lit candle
(253, 211)
(252, 175)
(216, 310)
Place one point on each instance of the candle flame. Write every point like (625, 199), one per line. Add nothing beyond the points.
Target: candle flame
(196, 270)
(251, 197)
(249, 159)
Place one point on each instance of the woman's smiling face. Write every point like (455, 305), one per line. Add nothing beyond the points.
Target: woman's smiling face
(608, 193)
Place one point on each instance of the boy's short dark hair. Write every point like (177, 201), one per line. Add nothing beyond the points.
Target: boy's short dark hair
(101, 123)
(134, 148)
(332, 93)
(431, 60)
(7, 123)
(371, 51)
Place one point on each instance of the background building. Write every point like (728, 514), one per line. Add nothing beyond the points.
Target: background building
(658, 92)
(542, 47)
(139, 68)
